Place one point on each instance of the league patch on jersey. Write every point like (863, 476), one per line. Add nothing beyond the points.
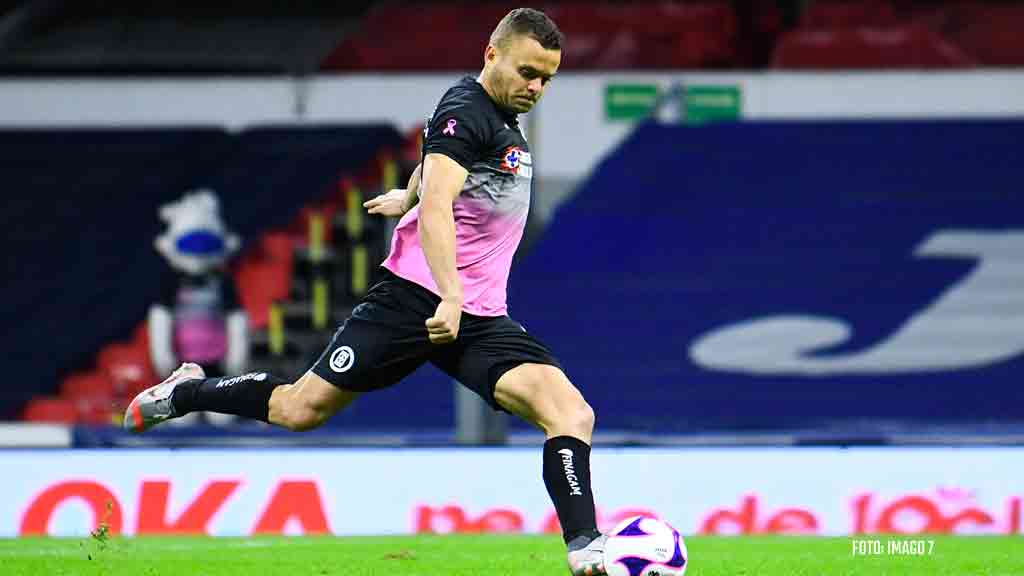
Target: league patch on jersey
(512, 159)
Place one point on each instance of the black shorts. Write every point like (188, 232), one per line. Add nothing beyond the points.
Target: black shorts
(385, 339)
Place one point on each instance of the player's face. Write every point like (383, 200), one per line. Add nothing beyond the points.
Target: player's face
(520, 71)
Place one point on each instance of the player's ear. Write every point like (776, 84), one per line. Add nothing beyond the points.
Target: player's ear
(490, 54)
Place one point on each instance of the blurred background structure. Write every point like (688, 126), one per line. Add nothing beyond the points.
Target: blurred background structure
(292, 115)
(761, 222)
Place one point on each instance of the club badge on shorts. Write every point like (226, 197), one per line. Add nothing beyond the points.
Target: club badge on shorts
(342, 359)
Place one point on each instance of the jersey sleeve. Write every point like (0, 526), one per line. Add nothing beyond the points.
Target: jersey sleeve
(457, 130)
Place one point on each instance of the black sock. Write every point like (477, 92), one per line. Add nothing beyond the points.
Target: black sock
(567, 477)
(247, 395)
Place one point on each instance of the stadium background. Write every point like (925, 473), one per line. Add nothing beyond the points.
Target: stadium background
(778, 245)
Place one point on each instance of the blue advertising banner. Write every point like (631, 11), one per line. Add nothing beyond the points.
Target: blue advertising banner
(784, 275)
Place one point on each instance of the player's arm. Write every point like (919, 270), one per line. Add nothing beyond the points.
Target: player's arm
(443, 179)
(398, 201)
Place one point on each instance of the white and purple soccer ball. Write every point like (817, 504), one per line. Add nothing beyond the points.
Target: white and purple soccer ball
(642, 546)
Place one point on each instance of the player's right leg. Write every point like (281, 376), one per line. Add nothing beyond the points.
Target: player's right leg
(298, 406)
(382, 342)
(307, 403)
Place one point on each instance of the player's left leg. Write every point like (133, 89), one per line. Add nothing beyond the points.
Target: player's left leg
(542, 395)
(514, 372)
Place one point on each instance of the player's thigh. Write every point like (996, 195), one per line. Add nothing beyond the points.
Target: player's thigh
(382, 341)
(489, 348)
(363, 356)
(369, 354)
(542, 395)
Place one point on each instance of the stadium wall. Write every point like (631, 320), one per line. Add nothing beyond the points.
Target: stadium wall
(406, 99)
(562, 156)
(817, 491)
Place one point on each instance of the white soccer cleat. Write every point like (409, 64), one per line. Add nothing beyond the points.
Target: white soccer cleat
(153, 405)
(588, 560)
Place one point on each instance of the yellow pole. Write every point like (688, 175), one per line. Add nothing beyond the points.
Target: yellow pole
(275, 329)
(316, 237)
(354, 228)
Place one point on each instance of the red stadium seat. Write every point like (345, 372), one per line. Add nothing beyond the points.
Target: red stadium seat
(97, 409)
(993, 34)
(127, 365)
(263, 276)
(989, 33)
(86, 384)
(867, 48)
(50, 409)
(758, 25)
(419, 37)
(277, 247)
(604, 35)
(848, 14)
(325, 209)
(140, 336)
(652, 35)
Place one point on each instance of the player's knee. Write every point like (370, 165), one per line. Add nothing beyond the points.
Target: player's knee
(299, 416)
(575, 417)
(582, 417)
(303, 418)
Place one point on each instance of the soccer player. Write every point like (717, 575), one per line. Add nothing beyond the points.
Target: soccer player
(442, 296)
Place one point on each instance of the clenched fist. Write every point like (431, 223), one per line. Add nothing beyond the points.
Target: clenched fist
(443, 327)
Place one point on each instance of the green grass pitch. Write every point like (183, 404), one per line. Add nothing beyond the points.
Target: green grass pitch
(486, 555)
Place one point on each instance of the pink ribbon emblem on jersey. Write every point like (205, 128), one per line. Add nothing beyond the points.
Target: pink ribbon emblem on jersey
(450, 129)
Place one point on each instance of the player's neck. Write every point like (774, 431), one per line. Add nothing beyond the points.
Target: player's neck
(482, 79)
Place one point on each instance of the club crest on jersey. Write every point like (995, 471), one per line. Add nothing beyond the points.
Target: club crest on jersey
(342, 359)
(512, 159)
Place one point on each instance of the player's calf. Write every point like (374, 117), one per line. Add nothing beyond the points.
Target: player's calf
(188, 390)
(308, 403)
(290, 410)
(544, 396)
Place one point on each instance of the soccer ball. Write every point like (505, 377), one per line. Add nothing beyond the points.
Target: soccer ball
(642, 546)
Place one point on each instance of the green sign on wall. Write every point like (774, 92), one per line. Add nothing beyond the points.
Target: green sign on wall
(697, 104)
(629, 102)
(712, 103)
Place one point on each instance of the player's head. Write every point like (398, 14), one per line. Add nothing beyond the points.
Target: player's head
(522, 56)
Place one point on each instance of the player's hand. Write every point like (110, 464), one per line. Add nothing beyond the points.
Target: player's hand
(443, 327)
(390, 204)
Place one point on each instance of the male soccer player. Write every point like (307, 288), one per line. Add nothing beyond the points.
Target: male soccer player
(442, 298)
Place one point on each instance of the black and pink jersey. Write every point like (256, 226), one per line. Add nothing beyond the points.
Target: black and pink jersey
(490, 212)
